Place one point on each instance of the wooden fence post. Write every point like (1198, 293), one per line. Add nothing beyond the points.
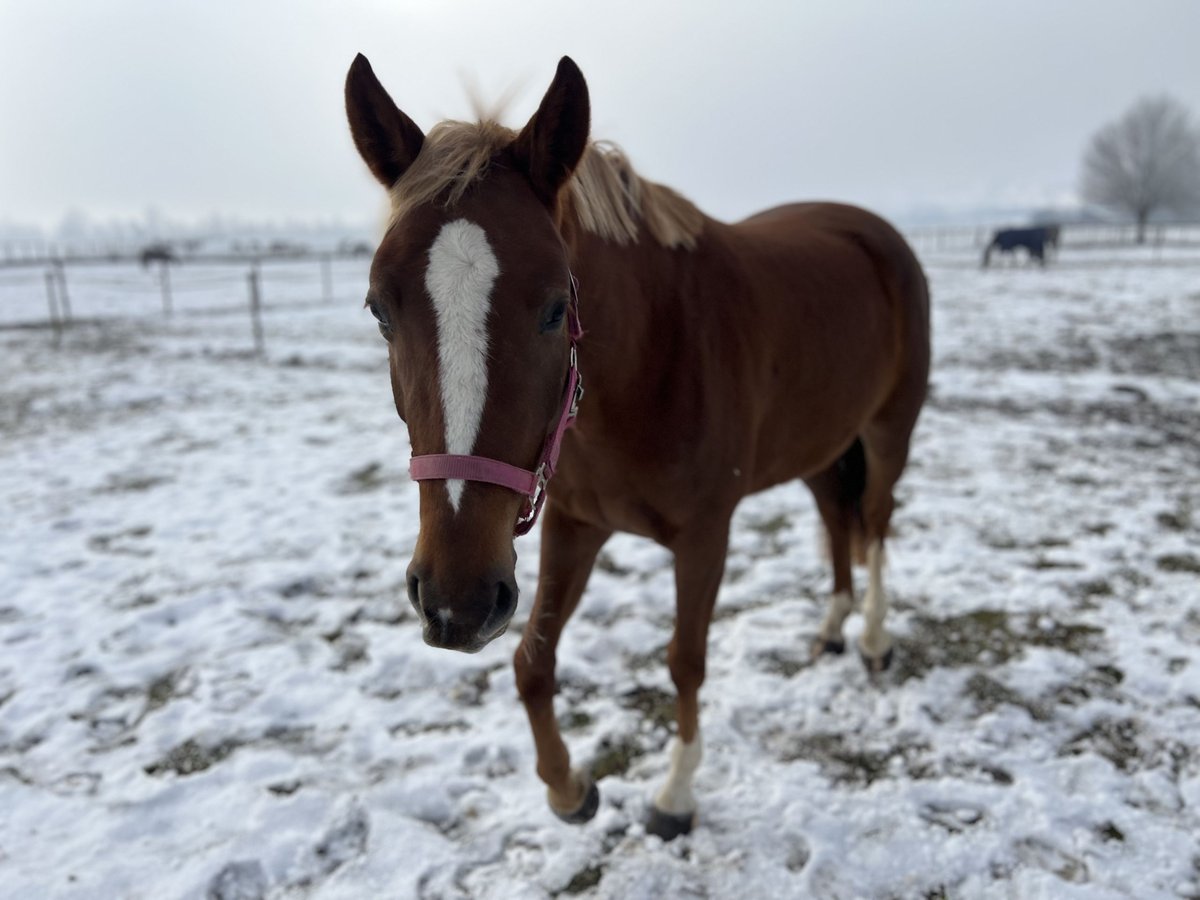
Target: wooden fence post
(164, 276)
(256, 310)
(63, 297)
(52, 302)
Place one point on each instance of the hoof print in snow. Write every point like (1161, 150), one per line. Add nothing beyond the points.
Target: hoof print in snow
(1037, 852)
(344, 841)
(245, 880)
(954, 819)
(798, 854)
(667, 825)
(490, 761)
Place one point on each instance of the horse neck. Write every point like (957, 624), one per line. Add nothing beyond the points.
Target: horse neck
(631, 299)
(637, 278)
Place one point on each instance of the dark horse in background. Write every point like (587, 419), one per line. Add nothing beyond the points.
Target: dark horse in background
(160, 253)
(720, 360)
(1035, 240)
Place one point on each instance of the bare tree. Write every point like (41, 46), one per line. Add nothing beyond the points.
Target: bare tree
(1149, 159)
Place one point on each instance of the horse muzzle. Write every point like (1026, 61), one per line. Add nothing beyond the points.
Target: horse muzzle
(463, 620)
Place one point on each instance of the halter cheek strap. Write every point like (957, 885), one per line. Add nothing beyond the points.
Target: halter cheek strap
(448, 466)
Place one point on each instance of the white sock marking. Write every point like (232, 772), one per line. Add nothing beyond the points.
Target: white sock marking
(676, 797)
(462, 270)
(841, 605)
(874, 640)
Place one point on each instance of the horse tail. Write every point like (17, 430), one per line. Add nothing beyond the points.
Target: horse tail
(987, 253)
(852, 482)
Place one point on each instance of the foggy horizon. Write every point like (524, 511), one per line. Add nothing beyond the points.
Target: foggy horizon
(934, 113)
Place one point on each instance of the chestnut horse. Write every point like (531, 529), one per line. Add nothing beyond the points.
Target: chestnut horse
(720, 360)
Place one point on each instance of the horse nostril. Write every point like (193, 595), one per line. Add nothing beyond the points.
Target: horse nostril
(506, 601)
(414, 594)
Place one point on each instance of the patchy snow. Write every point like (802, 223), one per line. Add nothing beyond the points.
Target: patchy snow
(212, 685)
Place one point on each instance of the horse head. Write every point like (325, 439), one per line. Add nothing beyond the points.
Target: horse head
(473, 294)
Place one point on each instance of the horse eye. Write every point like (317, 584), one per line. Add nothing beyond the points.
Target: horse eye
(385, 327)
(554, 317)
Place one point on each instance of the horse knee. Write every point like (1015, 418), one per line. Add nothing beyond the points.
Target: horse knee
(534, 674)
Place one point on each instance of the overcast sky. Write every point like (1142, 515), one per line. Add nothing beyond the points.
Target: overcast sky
(196, 106)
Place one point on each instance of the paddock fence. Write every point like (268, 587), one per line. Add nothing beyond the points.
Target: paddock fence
(45, 284)
(55, 285)
(1090, 236)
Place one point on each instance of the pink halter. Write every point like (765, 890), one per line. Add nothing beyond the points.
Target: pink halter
(446, 466)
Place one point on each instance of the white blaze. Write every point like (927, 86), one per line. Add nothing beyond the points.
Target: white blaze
(462, 270)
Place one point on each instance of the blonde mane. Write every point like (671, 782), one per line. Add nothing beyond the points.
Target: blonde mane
(607, 196)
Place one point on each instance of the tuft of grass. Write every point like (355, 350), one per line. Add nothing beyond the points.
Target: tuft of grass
(656, 706)
(1074, 638)
(989, 694)
(473, 687)
(409, 729)
(845, 762)
(1179, 562)
(783, 662)
(162, 690)
(1178, 519)
(983, 636)
(963, 640)
(574, 720)
(1043, 562)
(1095, 587)
(583, 880)
(131, 484)
(191, 757)
(1114, 739)
(614, 756)
(656, 658)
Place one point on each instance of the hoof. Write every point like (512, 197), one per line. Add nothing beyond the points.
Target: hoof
(821, 646)
(877, 664)
(587, 809)
(668, 826)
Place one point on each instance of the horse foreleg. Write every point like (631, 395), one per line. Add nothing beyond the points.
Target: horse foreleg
(569, 549)
(699, 564)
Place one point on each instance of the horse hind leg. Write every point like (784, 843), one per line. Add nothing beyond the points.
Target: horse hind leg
(886, 450)
(838, 493)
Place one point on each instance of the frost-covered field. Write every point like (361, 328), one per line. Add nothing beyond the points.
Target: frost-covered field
(211, 684)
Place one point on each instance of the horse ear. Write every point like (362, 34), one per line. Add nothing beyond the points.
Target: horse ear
(386, 138)
(551, 144)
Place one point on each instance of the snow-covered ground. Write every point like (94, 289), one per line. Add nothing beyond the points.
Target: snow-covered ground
(212, 685)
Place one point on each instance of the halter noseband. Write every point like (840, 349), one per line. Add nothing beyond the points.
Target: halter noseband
(532, 485)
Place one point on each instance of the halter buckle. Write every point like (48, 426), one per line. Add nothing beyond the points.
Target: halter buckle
(573, 411)
(533, 502)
